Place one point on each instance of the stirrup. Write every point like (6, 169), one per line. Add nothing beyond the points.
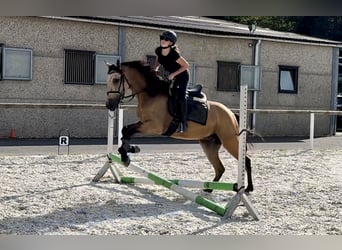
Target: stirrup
(180, 128)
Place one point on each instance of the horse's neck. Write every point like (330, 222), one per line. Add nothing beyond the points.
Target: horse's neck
(135, 79)
(143, 98)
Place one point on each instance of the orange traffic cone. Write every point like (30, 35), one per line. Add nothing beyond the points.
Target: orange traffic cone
(13, 134)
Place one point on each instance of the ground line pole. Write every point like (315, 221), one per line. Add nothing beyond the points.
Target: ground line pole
(182, 182)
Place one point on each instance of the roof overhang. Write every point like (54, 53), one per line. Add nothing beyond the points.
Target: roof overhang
(203, 26)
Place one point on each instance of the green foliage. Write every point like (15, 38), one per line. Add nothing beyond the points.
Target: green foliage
(271, 22)
(328, 27)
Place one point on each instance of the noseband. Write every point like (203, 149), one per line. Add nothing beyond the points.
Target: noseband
(121, 90)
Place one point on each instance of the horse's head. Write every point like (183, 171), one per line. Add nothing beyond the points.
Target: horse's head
(116, 86)
(137, 77)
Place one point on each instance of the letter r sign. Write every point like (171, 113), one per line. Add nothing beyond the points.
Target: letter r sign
(64, 140)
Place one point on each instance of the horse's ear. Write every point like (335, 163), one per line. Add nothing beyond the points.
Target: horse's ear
(118, 64)
(111, 67)
(107, 63)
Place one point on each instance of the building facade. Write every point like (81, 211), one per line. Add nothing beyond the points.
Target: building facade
(61, 60)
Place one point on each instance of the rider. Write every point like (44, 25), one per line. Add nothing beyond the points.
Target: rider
(168, 55)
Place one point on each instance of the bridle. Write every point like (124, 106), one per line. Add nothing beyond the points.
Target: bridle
(121, 90)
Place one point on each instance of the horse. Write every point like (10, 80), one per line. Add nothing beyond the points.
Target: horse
(132, 79)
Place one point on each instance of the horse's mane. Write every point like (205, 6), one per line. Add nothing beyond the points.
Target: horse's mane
(155, 84)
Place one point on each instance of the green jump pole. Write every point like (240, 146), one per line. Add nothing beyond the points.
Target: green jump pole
(184, 183)
(172, 186)
(206, 184)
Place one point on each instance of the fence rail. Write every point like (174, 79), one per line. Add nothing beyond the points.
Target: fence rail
(284, 111)
(125, 106)
(312, 112)
(53, 105)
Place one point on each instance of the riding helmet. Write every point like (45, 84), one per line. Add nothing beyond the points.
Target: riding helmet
(171, 35)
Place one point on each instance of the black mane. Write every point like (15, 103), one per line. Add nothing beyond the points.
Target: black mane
(155, 84)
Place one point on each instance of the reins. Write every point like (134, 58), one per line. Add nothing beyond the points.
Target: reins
(122, 95)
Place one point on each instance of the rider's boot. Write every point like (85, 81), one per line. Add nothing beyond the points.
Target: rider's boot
(182, 127)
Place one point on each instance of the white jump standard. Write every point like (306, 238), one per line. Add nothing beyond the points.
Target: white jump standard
(241, 195)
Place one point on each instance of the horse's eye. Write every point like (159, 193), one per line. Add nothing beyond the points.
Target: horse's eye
(116, 80)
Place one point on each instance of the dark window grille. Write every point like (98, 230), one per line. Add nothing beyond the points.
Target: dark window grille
(79, 67)
(228, 77)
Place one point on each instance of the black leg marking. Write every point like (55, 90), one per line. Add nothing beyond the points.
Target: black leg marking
(248, 168)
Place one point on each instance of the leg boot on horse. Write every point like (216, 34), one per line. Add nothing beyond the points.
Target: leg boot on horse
(125, 148)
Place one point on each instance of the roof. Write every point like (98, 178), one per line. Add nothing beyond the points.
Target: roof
(204, 26)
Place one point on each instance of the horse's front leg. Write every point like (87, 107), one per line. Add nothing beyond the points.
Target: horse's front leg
(127, 132)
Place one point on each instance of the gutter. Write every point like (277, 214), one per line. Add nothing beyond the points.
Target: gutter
(255, 93)
(194, 31)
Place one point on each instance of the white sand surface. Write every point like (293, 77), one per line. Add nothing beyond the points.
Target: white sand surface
(296, 192)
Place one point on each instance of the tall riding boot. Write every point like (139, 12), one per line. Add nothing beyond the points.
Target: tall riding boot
(182, 116)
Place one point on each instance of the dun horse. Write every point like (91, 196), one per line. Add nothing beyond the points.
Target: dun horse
(220, 126)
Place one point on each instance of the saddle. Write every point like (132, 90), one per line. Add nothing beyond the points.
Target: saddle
(197, 108)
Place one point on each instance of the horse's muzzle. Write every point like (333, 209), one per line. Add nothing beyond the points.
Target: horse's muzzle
(112, 104)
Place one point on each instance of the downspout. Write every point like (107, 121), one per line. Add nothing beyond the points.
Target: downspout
(122, 43)
(256, 63)
(122, 55)
(334, 87)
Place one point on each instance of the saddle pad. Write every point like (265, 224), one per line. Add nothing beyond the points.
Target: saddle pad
(197, 110)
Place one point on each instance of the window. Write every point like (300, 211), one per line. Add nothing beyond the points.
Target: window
(288, 79)
(250, 75)
(339, 90)
(151, 60)
(1, 45)
(192, 76)
(86, 67)
(228, 76)
(16, 64)
(101, 68)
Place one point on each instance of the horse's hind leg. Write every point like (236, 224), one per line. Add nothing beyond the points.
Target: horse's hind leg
(248, 168)
(211, 148)
(232, 146)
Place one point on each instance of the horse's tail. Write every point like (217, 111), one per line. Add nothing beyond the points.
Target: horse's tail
(251, 132)
(248, 131)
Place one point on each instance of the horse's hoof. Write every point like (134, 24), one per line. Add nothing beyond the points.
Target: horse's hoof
(208, 191)
(134, 149)
(122, 151)
(249, 189)
(125, 161)
(235, 187)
